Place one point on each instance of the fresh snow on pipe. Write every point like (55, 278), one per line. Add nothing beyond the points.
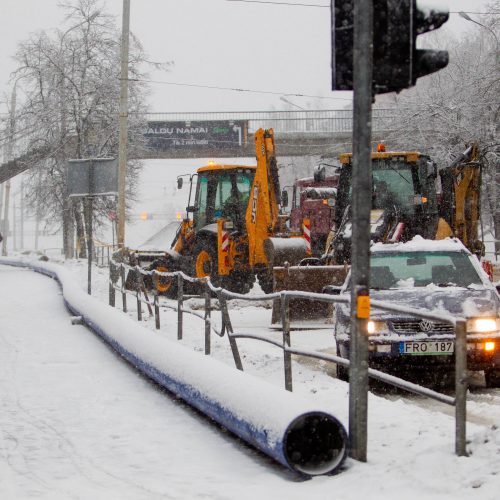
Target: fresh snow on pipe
(258, 412)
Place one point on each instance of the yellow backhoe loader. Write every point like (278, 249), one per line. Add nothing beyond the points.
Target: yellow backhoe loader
(410, 196)
(234, 231)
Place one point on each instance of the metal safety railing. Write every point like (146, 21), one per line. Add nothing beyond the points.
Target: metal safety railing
(119, 271)
(289, 121)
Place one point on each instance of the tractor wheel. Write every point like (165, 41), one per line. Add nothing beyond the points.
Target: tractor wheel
(266, 282)
(165, 285)
(238, 282)
(205, 262)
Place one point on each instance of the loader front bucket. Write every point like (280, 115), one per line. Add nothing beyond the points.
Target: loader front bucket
(306, 279)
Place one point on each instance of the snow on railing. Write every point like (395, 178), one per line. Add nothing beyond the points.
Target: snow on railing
(459, 401)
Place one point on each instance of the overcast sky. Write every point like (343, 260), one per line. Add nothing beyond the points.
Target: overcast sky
(281, 49)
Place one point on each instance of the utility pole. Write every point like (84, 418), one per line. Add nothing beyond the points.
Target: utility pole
(10, 156)
(361, 206)
(21, 224)
(122, 142)
(14, 224)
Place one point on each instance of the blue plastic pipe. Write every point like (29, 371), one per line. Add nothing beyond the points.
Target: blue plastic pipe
(290, 429)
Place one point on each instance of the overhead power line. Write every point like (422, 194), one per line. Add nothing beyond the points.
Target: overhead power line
(324, 6)
(281, 3)
(235, 89)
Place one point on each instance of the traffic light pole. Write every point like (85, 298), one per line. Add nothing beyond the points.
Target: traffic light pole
(361, 206)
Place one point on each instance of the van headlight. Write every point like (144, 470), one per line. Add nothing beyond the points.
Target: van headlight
(374, 327)
(483, 325)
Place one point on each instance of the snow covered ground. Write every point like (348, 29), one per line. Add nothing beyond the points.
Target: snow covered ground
(78, 422)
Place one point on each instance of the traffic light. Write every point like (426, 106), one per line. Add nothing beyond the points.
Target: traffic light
(397, 63)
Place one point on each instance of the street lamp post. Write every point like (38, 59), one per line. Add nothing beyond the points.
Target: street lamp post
(468, 18)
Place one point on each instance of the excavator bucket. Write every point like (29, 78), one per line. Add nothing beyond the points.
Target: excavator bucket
(306, 279)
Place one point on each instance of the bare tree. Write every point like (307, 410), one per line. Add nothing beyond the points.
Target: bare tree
(70, 78)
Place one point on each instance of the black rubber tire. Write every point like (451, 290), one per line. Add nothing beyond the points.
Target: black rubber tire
(238, 282)
(342, 371)
(266, 282)
(492, 377)
(166, 286)
(205, 261)
(205, 256)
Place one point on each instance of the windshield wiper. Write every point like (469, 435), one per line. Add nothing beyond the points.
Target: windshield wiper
(400, 175)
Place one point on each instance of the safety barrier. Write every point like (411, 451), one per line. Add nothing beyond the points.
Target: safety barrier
(119, 270)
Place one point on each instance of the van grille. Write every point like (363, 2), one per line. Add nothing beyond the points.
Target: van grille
(419, 326)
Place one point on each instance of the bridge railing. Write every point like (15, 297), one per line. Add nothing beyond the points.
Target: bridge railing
(295, 121)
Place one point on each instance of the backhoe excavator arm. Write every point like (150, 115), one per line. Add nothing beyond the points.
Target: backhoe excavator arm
(263, 210)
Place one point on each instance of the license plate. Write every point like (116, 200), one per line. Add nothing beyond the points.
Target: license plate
(427, 347)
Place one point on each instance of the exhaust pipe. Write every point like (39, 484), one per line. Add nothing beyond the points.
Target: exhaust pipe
(288, 428)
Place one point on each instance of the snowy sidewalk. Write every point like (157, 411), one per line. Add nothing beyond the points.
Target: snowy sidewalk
(78, 422)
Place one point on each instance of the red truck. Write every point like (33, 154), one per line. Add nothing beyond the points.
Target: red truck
(314, 200)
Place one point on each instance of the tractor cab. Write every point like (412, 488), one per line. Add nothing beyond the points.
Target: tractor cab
(403, 183)
(222, 191)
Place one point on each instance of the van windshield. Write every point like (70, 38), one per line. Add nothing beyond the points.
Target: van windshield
(419, 269)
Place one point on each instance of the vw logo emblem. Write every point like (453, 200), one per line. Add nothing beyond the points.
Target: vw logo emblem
(426, 326)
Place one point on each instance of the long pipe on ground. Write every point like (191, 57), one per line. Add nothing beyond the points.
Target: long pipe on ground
(290, 429)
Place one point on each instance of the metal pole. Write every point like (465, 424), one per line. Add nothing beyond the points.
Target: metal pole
(208, 307)
(122, 140)
(361, 206)
(37, 226)
(89, 244)
(461, 383)
(124, 293)
(287, 357)
(21, 225)
(180, 300)
(14, 224)
(5, 229)
(112, 294)
(10, 156)
(156, 305)
(1, 199)
(138, 292)
(226, 322)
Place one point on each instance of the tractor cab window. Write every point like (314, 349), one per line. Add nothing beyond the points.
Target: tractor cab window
(393, 185)
(223, 194)
(200, 216)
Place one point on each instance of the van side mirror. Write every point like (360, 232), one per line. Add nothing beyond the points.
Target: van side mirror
(180, 181)
(284, 198)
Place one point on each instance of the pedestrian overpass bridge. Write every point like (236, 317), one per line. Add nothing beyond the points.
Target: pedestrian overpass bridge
(324, 133)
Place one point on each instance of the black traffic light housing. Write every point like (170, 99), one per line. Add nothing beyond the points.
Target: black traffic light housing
(397, 63)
